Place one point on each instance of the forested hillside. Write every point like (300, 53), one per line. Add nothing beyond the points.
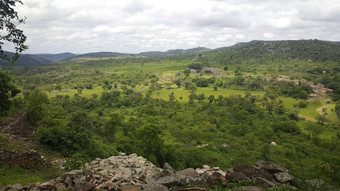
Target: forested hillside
(274, 101)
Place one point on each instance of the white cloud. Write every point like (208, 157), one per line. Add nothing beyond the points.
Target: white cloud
(134, 25)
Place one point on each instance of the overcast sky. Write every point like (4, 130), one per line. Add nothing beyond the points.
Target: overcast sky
(132, 26)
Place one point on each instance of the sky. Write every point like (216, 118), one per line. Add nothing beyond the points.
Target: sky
(133, 26)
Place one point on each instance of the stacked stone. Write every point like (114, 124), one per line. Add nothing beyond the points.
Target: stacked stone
(135, 173)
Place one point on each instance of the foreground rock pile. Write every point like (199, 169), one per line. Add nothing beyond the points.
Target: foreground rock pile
(134, 173)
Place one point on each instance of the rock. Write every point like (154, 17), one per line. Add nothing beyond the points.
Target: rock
(4, 188)
(16, 187)
(169, 181)
(88, 173)
(252, 172)
(191, 189)
(183, 174)
(270, 167)
(68, 181)
(283, 177)
(111, 185)
(84, 186)
(251, 188)
(259, 181)
(154, 187)
(167, 171)
(48, 186)
(73, 174)
(236, 177)
(60, 186)
(130, 188)
(28, 186)
(217, 176)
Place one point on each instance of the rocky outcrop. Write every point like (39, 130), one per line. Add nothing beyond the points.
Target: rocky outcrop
(135, 173)
(22, 158)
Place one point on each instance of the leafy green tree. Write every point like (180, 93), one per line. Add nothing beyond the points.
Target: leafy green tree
(225, 68)
(200, 97)
(114, 121)
(211, 98)
(9, 31)
(337, 109)
(192, 97)
(172, 96)
(7, 90)
(150, 143)
(321, 119)
(35, 105)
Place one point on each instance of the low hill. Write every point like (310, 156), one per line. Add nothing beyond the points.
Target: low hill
(314, 50)
(24, 60)
(57, 57)
(175, 52)
(102, 54)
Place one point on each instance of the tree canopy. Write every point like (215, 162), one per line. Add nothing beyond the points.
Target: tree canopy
(8, 27)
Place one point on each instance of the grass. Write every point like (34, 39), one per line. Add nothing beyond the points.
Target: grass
(16, 175)
(310, 110)
(181, 92)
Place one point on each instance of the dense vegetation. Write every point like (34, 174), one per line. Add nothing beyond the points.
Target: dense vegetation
(253, 94)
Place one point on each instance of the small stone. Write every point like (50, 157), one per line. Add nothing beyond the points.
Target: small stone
(216, 168)
(84, 186)
(130, 188)
(259, 181)
(68, 181)
(191, 189)
(60, 186)
(270, 167)
(48, 186)
(88, 173)
(154, 187)
(251, 188)
(73, 174)
(237, 177)
(16, 186)
(110, 185)
(37, 184)
(283, 177)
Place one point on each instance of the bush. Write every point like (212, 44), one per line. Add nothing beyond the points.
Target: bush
(34, 106)
(301, 104)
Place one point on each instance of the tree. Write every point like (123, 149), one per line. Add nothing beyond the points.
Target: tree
(337, 109)
(225, 68)
(9, 30)
(172, 96)
(150, 143)
(200, 97)
(34, 105)
(7, 90)
(211, 98)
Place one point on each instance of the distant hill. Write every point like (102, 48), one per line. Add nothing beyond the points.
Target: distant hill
(175, 52)
(315, 50)
(102, 54)
(24, 60)
(57, 57)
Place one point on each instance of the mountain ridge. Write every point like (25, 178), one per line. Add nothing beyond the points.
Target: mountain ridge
(292, 49)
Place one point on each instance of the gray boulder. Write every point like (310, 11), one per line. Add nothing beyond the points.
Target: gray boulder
(236, 177)
(283, 177)
(270, 167)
